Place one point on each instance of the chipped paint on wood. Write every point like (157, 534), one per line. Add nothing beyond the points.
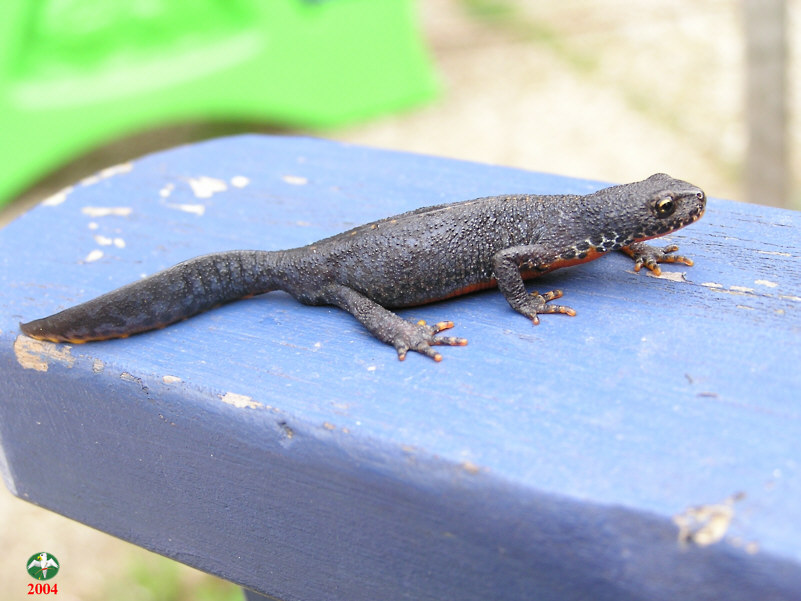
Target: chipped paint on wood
(766, 283)
(37, 354)
(240, 400)
(295, 180)
(106, 241)
(106, 173)
(194, 209)
(107, 211)
(57, 198)
(673, 276)
(206, 187)
(166, 190)
(94, 255)
(705, 525)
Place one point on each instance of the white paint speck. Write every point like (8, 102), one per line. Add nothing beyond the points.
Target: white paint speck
(103, 240)
(116, 170)
(194, 209)
(93, 256)
(166, 190)
(206, 187)
(57, 198)
(296, 180)
(239, 181)
(107, 211)
(171, 379)
(240, 400)
(673, 276)
(107, 173)
(766, 283)
(119, 242)
(734, 290)
(706, 524)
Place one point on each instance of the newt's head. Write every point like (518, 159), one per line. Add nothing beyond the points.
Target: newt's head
(650, 208)
(673, 204)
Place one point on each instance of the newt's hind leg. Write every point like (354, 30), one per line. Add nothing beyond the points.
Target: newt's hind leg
(389, 328)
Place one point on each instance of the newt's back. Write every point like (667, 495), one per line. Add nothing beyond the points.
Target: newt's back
(436, 252)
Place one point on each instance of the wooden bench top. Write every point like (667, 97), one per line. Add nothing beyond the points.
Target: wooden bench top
(648, 448)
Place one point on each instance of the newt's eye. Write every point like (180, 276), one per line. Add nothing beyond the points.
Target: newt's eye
(665, 206)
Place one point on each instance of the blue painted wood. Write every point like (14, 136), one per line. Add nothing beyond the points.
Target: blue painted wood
(281, 447)
(253, 596)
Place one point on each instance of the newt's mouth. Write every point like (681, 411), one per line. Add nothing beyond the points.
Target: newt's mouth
(694, 215)
(666, 228)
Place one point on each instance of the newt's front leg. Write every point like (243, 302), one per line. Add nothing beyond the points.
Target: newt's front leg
(507, 264)
(649, 256)
(404, 335)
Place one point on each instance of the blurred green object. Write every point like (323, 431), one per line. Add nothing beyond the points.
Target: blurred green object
(75, 74)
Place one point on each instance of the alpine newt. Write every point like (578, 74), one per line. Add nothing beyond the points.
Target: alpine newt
(414, 258)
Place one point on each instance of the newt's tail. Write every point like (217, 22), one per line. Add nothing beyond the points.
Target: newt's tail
(162, 298)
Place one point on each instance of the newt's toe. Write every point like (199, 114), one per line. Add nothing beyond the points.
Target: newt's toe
(650, 256)
(538, 305)
(421, 337)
